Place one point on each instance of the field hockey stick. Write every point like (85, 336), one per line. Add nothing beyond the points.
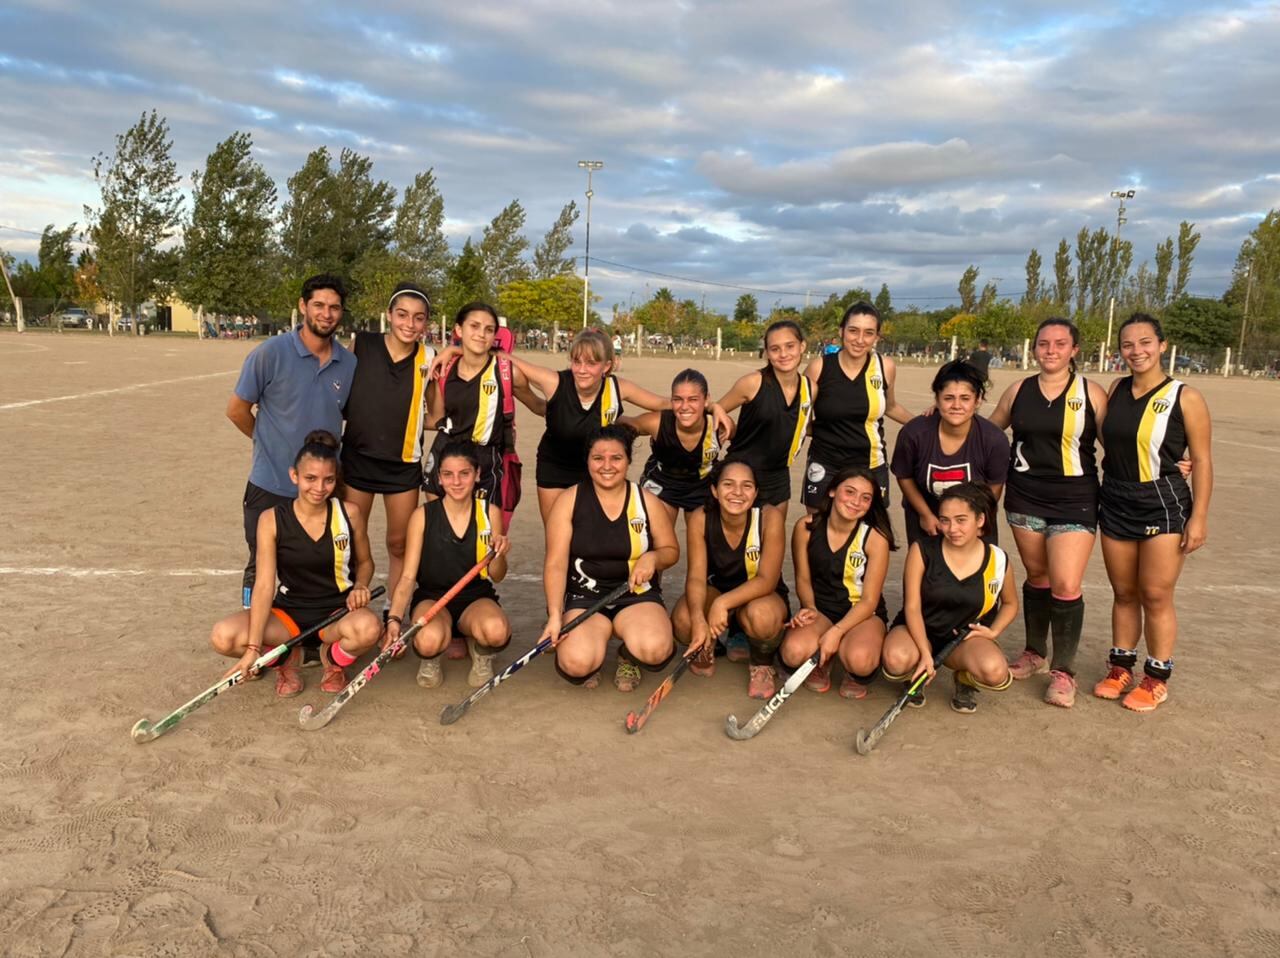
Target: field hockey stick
(311, 720)
(865, 740)
(634, 721)
(451, 713)
(761, 718)
(144, 731)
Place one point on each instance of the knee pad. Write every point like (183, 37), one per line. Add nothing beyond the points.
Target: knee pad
(965, 677)
(894, 678)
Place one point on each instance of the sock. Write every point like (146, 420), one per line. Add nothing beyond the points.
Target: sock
(762, 652)
(965, 677)
(1067, 619)
(1124, 658)
(1036, 617)
(1157, 669)
(340, 656)
(864, 679)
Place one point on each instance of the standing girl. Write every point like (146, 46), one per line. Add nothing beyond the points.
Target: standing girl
(1150, 521)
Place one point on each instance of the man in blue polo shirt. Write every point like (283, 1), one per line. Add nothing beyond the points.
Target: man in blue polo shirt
(299, 382)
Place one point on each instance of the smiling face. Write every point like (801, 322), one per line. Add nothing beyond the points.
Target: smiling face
(458, 478)
(408, 318)
(958, 522)
(859, 334)
(784, 350)
(1141, 347)
(322, 312)
(688, 404)
(316, 479)
(851, 500)
(957, 402)
(1055, 348)
(588, 370)
(735, 490)
(476, 332)
(607, 463)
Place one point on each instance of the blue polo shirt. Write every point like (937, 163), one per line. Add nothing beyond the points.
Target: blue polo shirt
(294, 395)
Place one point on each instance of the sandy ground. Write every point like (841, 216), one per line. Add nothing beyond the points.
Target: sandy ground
(536, 826)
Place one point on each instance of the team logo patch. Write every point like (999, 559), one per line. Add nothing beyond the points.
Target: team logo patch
(876, 382)
(337, 385)
(857, 560)
(817, 472)
(482, 493)
(638, 525)
(942, 478)
(486, 535)
(1075, 403)
(341, 541)
(1153, 530)
(488, 387)
(804, 408)
(1160, 406)
(993, 587)
(653, 487)
(753, 554)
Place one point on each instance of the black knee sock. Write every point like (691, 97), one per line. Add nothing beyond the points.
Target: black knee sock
(574, 679)
(1067, 618)
(762, 652)
(1036, 616)
(1124, 658)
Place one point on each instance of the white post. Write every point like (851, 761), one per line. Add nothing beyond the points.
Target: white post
(1226, 367)
(953, 348)
(555, 337)
(382, 323)
(199, 322)
(1173, 360)
(1111, 309)
(1102, 354)
(17, 303)
(111, 320)
(639, 340)
(1026, 354)
(718, 342)
(293, 318)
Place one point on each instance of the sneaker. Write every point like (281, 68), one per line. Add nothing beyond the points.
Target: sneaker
(288, 678)
(1028, 664)
(917, 700)
(592, 681)
(627, 676)
(310, 657)
(736, 648)
(1062, 689)
(763, 681)
(1117, 682)
(1149, 693)
(430, 674)
(457, 649)
(965, 698)
(481, 665)
(335, 678)
(704, 661)
(819, 680)
(851, 688)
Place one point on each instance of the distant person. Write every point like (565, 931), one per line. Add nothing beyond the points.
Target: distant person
(298, 382)
(980, 359)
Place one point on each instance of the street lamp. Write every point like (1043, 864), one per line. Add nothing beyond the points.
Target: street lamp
(1120, 195)
(590, 166)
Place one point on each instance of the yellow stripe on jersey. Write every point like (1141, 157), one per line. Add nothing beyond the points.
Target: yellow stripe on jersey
(751, 554)
(855, 563)
(1152, 427)
(489, 401)
(802, 419)
(411, 448)
(877, 400)
(610, 400)
(710, 448)
(1073, 418)
(637, 528)
(340, 535)
(993, 578)
(484, 533)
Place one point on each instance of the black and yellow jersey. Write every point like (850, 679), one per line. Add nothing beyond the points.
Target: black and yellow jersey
(473, 407)
(1053, 470)
(447, 557)
(385, 411)
(771, 430)
(838, 576)
(731, 566)
(848, 415)
(315, 574)
(603, 551)
(948, 604)
(562, 451)
(1144, 437)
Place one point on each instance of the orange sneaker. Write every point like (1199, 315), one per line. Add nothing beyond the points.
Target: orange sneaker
(819, 679)
(763, 683)
(1117, 682)
(335, 679)
(288, 678)
(1149, 693)
(851, 688)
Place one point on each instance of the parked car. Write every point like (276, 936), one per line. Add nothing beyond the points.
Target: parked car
(1189, 365)
(75, 318)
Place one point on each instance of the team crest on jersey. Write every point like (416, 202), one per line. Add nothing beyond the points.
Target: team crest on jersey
(753, 554)
(1075, 403)
(485, 535)
(857, 560)
(637, 525)
(1160, 406)
(489, 387)
(993, 587)
(610, 415)
(816, 472)
(876, 382)
(341, 541)
(804, 408)
(481, 493)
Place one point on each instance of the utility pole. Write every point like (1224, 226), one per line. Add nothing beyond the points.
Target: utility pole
(1248, 288)
(590, 166)
(1120, 195)
(17, 303)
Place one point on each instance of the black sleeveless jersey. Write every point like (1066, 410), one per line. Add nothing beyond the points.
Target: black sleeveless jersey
(1143, 438)
(948, 603)
(447, 557)
(564, 443)
(731, 566)
(770, 430)
(837, 575)
(315, 574)
(1053, 469)
(603, 551)
(473, 407)
(385, 409)
(848, 415)
(670, 460)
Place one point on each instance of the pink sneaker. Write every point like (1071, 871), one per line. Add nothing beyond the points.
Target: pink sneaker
(851, 688)
(763, 682)
(1028, 664)
(819, 679)
(1062, 690)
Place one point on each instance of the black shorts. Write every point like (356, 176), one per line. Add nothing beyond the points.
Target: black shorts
(818, 476)
(936, 643)
(580, 603)
(489, 483)
(685, 496)
(554, 475)
(1133, 511)
(457, 605)
(296, 621)
(385, 476)
(774, 486)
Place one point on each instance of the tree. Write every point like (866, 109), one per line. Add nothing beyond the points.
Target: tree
(1092, 270)
(228, 257)
(969, 290)
(1164, 269)
(1255, 280)
(373, 280)
(548, 258)
(362, 210)
(988, 297)
(89, 291)
(746, 310)
(503, 246)
(467, 280)
(884, 302)
(1034, 292)
(1200, 324)
(543, 303)
(418, 234)
(1188, 240)
(306, 219)
(1063, 284)
(141, 210)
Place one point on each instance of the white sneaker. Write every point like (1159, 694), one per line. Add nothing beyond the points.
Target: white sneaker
(481, 665)
(430, 674)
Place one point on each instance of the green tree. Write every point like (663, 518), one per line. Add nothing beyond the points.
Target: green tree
(549, 256)
(306, 219)
(968, 290)
(373, 280)
(1200, 324)
(418, 234)
(1188, 240)
(228, 258)
(1063, 283)
(362, 211)
(467, 280)
(1164, 269)
(1092, 270)
(746, 310)
(988, 297)
(543, 303)
(140, 212)
(503, 246)
(1255, 282)
(884, 301)
(1034, 291)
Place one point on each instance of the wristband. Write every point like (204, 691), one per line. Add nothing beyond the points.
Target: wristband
(396, 619)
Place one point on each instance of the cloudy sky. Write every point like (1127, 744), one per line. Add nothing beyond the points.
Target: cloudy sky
(787, 147)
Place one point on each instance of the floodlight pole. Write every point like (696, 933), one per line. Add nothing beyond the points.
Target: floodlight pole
(1120, 195)
(590, 166)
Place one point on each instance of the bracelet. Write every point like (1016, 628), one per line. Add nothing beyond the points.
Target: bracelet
(255, 648)
(396, 619)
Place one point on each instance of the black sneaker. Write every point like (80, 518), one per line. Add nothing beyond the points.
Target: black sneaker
(965, 699)
(310, 657)
(916, 700)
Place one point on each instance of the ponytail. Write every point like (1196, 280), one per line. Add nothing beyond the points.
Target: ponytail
(319, 444)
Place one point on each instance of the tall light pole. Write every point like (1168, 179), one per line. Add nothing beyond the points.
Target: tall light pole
(590, 166)
(1120, 195)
